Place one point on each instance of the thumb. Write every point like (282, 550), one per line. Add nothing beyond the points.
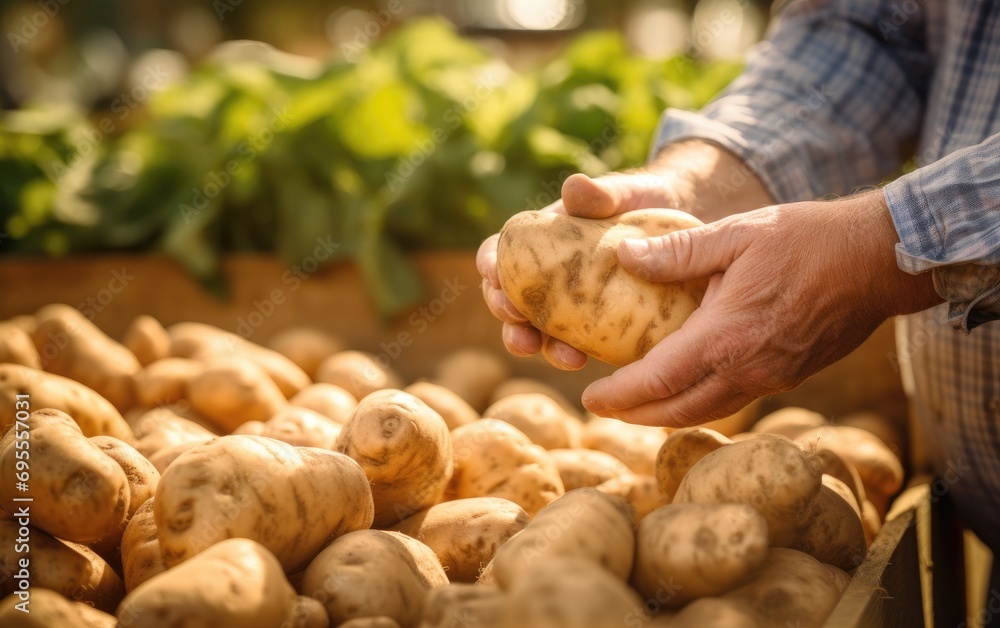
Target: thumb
(614, 194)
(681, 255)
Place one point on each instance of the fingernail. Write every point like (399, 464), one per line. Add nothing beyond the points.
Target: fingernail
(637, 248)
(593, 405)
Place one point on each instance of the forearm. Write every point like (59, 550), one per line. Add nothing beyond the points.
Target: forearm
(711, 181)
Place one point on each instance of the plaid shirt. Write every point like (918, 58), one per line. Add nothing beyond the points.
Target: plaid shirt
(837, 97)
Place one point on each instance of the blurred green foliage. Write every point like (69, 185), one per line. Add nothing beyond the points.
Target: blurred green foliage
(425, 141)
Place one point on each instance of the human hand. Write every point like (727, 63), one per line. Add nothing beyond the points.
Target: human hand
(793, 288)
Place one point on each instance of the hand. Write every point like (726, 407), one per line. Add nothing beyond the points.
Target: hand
(683, 176)
(793, 288)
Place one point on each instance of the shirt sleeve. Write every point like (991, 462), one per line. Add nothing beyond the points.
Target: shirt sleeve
(833, 99)
(947, 216)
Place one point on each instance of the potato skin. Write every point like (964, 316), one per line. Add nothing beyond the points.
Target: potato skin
(161, 428)
(580, 468)
(405, 450)
(790, 422)
(538, 417)
(233, 584)
(635, 445)
(80, 493)
(374, 573)
(472, 374)
(563, 274)
(230, 391)
(141, 558)
(464, 605)
(358, 373)
(523, 385)
(768, 473)
(680, 452)
(235, 486)
(331, 401)
(165, 381)
(48, 609)
(455, 411)
(584, 523)
(92, 412)
(147, 339)
(73, 570)
(494, 459)
(465, 533)
(832, 531)
(307, 347)
(640, 491)
(302, 428)
(16, 346)
(701, 549)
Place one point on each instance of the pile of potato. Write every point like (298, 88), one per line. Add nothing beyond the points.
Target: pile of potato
(186, 477)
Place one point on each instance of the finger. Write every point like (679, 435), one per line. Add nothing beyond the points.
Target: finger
(683, 255)
(500, 306)
(521, 340)
(713, 397)
(486, 260)
(561, 355)
(672, 366)
(611, 195)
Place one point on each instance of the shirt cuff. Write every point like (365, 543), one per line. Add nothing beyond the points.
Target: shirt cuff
(783, 175)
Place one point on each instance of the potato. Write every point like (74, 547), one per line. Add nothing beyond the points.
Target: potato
(93, 413)
(710, 612)
(358, 373)
(165, 457)
(834, 465)
(879, 468)
(72, 346)
(472, 374)
(458, 605)
(635, 445)
(80, 493)
(832, 532)
(165, 381)
(584, 523)
(370, 622)
(887, 431)
(563, 274)
(870, 521)
(331, 401)
(302, 428)
(452, 408)
(789, 422)
(292, 500)
(465, 533)
(141, 558)
(538, 417)
(680, 452)
(142, 479)
(790, 589)
(235, 583)
(698, 550)
(769, 473)
(161, 428)
(73, 570)
(16, 347)
(24, 322)
(372, 573)
(494, 459)
(640, 491)
(405, 450)
(48, 609)
(147, 339)
(570, 592)
(203, 342)
(305, 346)
(580, 468)
(230, 391)
(525, 385)
(309, 613)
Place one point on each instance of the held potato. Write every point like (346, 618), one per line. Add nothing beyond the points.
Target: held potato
(307, 347)
(768, 473)
(92, 412)
(494, 459)
(48, 609)
(465, 533)
(147, 339)
(580, 468)
(680, 452)
(358, 373)
(472, 374)
(231, 391)
(165, 381)
(538, 417)
(455, 411)
(635, 445)
(640, 491)
(331, 401)
(584, 523)
(141, 558)
(73, 570)
(372, 573)
(16, 347)
(72, 346)
(292, 500)
(405, 450)
(563, 274)
(700, 549)
(80, 493)
(233, 584)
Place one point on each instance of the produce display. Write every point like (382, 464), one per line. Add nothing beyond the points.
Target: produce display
(305, 484)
